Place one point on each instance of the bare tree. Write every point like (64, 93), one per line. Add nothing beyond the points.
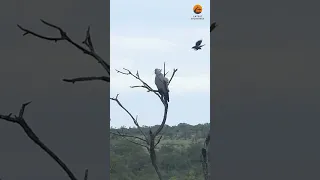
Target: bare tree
(88, 49)
(151, 139)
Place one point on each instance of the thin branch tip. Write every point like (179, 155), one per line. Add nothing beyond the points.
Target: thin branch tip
(86, 173)
(27, 103)
(23, 107)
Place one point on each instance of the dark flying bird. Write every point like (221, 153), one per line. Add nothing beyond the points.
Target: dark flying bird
(162, 85)
(213, 26)
(198, 45)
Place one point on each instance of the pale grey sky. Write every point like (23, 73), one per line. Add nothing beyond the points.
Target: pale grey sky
(143, 39)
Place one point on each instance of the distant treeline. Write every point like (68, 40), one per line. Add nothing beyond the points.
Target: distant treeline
(178, 154)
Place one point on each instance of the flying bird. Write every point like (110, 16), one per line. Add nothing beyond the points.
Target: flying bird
(162, 85)
(213, 26)
(198, 45)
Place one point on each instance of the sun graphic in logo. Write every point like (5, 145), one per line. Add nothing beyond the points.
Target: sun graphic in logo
(197, 9)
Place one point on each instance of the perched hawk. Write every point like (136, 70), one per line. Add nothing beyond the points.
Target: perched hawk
(162, 85)
(198, 45)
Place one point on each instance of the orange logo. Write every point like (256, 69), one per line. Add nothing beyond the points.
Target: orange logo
(197, 9)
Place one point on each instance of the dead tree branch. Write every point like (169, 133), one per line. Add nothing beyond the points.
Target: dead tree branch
(205, 159)
(149, 142)
(92, 78)
(130, 138)
(87, 49)
(86, 173)
(126, 136)
(27, 129)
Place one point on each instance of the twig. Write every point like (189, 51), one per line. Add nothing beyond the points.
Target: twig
(126, 136)
(174, 72)
(136, 143)
(86, 173)
(21, 121)
(164, 69)
(158, 141)
(144, 84)
(88, 41)
(140, 129)
(134, 120)
(129, 136)
(92, 78)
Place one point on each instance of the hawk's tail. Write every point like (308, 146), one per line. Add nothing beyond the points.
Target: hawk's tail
(166, 96)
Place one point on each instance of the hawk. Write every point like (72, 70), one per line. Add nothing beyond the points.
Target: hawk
(162, 85)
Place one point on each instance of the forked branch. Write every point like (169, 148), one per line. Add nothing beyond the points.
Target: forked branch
(87, 49)
(144, 84)
(135, 121)
(22, 123)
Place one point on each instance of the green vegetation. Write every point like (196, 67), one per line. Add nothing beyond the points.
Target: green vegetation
(178, 154)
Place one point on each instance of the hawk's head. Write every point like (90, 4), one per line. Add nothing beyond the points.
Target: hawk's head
(157, 71)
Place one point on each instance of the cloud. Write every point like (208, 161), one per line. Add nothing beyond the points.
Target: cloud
(126, 43)
(139, 50)
(194, 84)
(171, 36)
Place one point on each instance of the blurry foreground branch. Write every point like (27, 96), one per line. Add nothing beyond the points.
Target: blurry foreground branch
(24, 125)
(86, 48)
(213, 26)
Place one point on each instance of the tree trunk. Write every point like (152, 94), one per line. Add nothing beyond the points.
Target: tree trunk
(205, 158)
(205, 164)
(154, 162)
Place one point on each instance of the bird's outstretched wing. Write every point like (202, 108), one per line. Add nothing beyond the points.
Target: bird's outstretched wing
(198, 43)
